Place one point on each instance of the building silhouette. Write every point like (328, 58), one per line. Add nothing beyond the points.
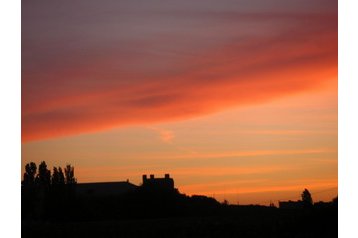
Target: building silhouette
(152, 183)
(104, 188)
(100, 189)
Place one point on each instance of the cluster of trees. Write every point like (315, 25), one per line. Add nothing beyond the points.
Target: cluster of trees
(43, 176)
(43, 191)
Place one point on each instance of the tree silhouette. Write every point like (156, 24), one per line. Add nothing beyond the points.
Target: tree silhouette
(30, 173)
(58, 177)
(55, 177)
(44, 176)
(307, 198)
(70, 175)
(61, 176)
(29, 191)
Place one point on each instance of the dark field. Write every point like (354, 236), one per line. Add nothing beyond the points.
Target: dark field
(235, 222)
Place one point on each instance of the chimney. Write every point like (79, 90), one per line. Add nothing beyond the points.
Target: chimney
(144, 177)
(167, 176)
(152, 176)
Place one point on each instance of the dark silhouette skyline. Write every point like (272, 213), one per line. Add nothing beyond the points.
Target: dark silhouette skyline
(53, 202)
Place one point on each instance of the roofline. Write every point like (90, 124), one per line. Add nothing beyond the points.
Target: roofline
(111, 182)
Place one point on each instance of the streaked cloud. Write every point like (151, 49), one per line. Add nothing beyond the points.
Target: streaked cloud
(88, 68)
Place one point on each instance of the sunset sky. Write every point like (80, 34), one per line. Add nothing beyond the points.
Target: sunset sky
(235, 99)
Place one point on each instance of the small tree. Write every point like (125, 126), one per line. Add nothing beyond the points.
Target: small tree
(70, 175)
(307, 198)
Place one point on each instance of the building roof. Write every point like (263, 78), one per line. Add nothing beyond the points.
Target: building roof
(104, 188)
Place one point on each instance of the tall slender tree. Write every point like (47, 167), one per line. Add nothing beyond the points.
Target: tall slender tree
(55, 179)
(70, 175)
(61, 176)
(44, 175)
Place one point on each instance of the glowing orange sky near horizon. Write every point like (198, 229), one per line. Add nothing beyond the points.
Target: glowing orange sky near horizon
(244, 109)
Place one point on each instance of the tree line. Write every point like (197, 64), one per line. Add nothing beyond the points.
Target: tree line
(44, 191)
(43, 176)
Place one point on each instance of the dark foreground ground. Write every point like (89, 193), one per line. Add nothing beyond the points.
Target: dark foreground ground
(237, 223)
